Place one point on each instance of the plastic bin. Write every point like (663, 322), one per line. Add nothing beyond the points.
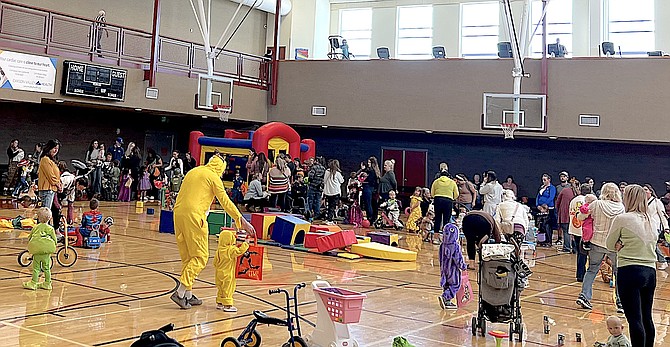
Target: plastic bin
(344, 306)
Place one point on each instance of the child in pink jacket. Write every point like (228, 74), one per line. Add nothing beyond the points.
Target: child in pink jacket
(587, 221)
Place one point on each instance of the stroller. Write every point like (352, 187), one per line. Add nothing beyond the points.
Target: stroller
(501, 278)
(298, 198)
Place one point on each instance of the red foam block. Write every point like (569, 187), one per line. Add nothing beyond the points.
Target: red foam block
(337, 240)
(310, 238)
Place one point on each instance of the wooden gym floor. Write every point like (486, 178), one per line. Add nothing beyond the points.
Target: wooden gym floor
(114, 293)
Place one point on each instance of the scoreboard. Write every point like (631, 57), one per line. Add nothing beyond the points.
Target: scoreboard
(93, 81)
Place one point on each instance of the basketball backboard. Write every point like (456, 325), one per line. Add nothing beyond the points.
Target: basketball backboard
(221, 92)
(500, 108)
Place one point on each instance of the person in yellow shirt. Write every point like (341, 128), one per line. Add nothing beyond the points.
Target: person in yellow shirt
(444, 191)
(198, 190)
(224, 262)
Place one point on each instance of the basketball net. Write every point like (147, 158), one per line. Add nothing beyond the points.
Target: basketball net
(508, 129)
(224, 112)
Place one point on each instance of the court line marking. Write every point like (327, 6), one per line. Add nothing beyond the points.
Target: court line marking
(413, 332)
(73, 343)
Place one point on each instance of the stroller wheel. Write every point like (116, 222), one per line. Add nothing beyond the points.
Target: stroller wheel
(511, 331)
(520, 331)
(230, 342)
(482, 324)
(474, 326)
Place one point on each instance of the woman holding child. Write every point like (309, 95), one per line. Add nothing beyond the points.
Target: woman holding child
(603, 212)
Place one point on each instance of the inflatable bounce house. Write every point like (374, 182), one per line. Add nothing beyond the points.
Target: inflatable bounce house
(271, 139)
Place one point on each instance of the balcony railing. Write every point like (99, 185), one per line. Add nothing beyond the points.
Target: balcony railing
(48, 32)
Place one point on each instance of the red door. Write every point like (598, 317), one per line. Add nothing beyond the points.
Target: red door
(410, 168)
(415, 169)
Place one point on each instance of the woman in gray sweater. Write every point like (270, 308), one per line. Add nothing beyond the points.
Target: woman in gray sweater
(634, 239)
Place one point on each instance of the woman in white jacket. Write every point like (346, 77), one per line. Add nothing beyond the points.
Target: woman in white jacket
(332, 187)
(511, 211)
(491, 191)
(659, 220)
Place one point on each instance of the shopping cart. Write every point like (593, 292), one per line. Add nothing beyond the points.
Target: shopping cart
(336, 308)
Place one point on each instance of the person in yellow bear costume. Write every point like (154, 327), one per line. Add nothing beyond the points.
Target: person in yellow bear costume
(224, 262)
(198, 189)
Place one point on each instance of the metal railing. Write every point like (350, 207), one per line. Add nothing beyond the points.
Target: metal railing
(49, 32)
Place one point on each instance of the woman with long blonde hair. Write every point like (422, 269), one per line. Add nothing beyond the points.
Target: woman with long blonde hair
(603, 212)
(279, 184)
(634, 239)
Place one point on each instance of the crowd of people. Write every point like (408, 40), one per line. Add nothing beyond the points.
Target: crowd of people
(621, 224)
(116, 173)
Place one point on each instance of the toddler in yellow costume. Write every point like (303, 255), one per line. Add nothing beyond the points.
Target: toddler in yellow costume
(41, 244)
(224, 261)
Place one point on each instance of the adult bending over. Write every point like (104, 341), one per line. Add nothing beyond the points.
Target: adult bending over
(255, 197)
(603, 212)
(478, 226)
(198, 189)
(633, 238)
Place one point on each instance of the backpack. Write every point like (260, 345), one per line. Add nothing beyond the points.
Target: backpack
(507, 227)
(157, 338)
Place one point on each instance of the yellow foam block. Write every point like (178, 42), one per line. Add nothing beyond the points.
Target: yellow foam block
(379, 251)
(346, 255)
(139, 204)
(363, 239)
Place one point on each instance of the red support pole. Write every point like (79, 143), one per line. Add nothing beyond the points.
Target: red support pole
(275, 56)
(154, 43)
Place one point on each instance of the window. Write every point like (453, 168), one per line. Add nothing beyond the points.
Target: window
(356, 28)
(559, 25)
(479, 29)
(631, 26)
(415, 32)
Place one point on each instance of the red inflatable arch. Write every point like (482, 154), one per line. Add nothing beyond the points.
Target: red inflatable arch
(267, 132)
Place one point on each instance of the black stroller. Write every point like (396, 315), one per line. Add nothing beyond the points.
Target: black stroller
(157, 338)
(501, 278)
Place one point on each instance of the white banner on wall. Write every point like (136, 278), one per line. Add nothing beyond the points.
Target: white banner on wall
(27, 72)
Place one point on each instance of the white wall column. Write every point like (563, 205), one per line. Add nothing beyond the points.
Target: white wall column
(384, 24)
(446, 28)
(662, 30)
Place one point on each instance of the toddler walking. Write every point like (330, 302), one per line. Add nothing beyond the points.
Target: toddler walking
(451, 265)
(617, 338)
(427, 225)
(587, 221)
(224, 261)
(414, 218)
(144, 185)
(41, 244)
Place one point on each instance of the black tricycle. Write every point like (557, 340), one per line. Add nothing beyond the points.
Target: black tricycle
(250, 337)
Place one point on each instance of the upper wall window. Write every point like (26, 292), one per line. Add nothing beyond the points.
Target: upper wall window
(356, 28)
(480, 29)
(559, 25)
(631, 26)
(415, 32)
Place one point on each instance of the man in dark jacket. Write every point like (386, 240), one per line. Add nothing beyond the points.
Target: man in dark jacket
(315, 187)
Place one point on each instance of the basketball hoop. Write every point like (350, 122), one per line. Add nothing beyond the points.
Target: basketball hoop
(224, 111)
(508, 129)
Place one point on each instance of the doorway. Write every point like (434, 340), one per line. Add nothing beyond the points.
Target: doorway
(410, 168)
(162, 143)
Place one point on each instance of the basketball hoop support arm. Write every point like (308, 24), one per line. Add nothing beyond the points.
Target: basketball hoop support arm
(517, 71)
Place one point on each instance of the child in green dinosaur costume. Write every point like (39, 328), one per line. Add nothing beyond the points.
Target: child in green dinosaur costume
(41, 244)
